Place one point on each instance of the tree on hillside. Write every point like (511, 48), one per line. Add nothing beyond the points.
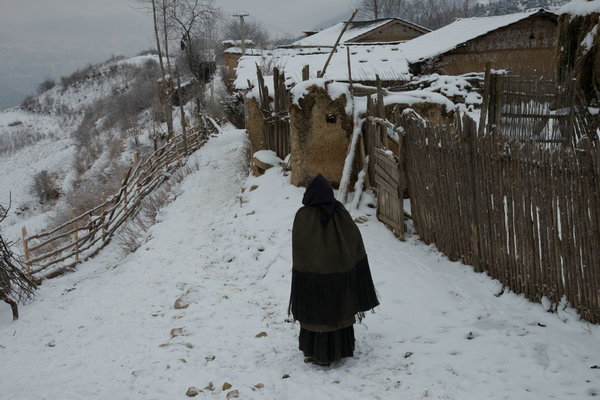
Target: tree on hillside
(194, 26)
(15, 285)
(432, 14)
(160, 9)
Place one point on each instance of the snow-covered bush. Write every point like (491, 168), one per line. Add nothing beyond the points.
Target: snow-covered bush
(44, 187)
(46, 85)
(233, 105)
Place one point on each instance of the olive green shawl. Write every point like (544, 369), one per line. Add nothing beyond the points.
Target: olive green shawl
(331, 279)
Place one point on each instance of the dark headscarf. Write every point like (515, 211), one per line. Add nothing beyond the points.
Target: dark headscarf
(319, 193)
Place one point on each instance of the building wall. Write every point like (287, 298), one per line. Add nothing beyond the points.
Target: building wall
(320, 133)
(231, 61)
(392, 32)
(527, 45)
(255, 125)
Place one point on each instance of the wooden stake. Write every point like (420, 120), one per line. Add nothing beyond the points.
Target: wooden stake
(136, 160)
(322, 73)
(75, 235)
(26, 250)
(349, 70)
(124, 189)
(103, 200)
(306, 73)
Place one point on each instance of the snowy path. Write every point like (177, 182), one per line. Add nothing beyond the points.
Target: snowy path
(111, 329)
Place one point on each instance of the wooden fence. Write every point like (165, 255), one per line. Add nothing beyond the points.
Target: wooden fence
(534, 108)
(524, 207)
(275, 113)
(527, 214)
(50, 253)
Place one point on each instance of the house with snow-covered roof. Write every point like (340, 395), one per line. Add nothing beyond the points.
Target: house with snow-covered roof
(373, 49)
(374, 31)
(523, 41)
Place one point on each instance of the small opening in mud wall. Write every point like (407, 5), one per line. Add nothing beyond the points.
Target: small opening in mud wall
(330, 118)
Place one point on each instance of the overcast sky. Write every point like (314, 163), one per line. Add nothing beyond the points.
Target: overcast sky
(51, 38)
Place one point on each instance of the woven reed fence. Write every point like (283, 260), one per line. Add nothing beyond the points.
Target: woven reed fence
(50, 253)
(527, 214)
(517, 198)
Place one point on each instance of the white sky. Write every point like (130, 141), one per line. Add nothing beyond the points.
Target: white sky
(51, 38)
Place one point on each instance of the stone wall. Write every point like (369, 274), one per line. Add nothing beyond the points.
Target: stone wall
(320, 133)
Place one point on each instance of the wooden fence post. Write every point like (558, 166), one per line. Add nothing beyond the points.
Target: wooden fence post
(174, 143)
(103, 210)
(380, 112)
(486, 97)
(124, 189)
(26, 250)
(136, 161)
(75, 235)
(306, 73)
(469, 131)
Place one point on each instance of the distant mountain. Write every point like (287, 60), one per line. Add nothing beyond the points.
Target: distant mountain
(9, 97)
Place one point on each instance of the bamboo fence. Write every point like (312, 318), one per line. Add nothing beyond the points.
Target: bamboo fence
(50, 253)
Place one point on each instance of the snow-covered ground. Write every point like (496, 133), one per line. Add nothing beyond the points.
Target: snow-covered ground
(221, 253)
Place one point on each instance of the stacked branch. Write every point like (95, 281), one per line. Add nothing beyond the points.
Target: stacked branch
(15, 285)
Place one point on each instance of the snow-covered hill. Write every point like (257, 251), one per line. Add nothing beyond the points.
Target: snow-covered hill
(204, 301)
(47, 134)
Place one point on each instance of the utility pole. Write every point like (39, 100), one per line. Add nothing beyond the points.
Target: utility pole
(243, 33)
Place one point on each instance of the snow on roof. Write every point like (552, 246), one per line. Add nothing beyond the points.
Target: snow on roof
(462, 30)
(250, 51)
(581, 7)
(237, 42)
(327, 37)
(366, 61)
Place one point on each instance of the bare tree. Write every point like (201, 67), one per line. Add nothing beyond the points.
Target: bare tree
(194, 24)
(430, 13)
(15, 285)
(160, 9)
(252, 31)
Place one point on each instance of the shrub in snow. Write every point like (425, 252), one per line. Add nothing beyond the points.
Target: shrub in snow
(46, 85)
(44, 187)
(234, 109)
(15, 286)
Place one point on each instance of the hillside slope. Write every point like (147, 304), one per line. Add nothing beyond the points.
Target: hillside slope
(111, 329)
(75, 131)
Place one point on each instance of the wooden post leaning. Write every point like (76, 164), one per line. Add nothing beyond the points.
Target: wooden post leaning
(75, 234)
(124, 190)
(136, 161)
(103, 216)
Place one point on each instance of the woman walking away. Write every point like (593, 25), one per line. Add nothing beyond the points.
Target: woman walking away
(331, 279)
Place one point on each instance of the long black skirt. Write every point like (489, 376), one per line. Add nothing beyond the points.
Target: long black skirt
(327, 347)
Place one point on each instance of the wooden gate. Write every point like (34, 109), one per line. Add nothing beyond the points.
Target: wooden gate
(390, 191)
(275, 113)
